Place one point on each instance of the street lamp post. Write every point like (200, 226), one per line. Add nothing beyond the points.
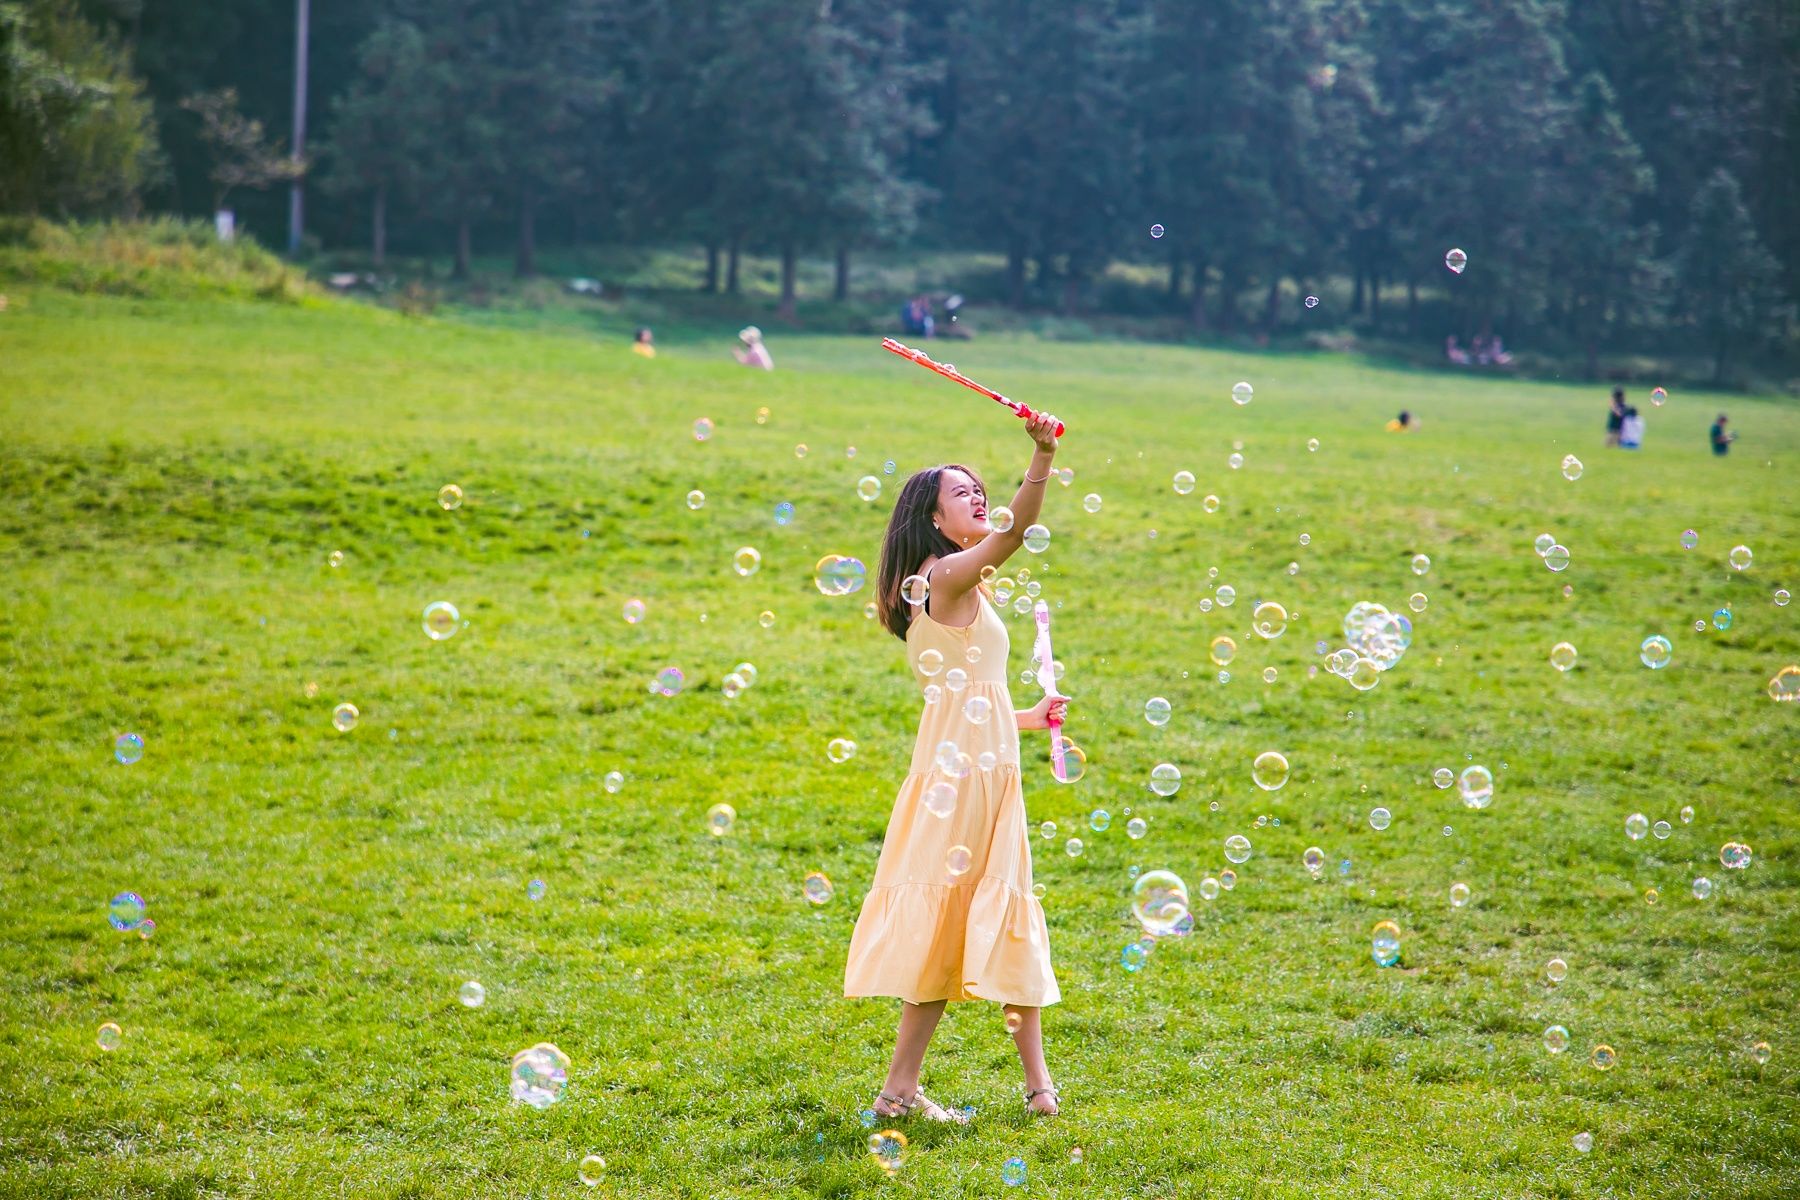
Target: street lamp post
(296, 189)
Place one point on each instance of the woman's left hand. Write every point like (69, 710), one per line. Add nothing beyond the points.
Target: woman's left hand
(1050, 708)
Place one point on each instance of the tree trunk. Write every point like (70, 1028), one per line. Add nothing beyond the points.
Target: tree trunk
(731, 267)
(1357, 298)
(378, 227)
(1272, 305)
(1015, 276)
(461, 270)
(840, 287)
(1197, 309)
(1175, 265)
(786, 308)
(1225, 317)
(711, 285)
(1375, 300)
(525, 259)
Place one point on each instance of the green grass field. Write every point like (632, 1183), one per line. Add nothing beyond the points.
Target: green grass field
(178, 472)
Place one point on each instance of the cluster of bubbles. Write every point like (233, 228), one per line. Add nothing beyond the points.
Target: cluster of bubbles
(1376, 640)
(539, 1074)
(128, 913)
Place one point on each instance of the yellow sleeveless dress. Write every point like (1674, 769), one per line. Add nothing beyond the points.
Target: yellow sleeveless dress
(928, 931)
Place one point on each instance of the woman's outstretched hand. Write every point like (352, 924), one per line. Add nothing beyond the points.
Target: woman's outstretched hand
(1042, 428)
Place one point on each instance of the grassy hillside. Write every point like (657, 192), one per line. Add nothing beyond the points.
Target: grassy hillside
(181, 470)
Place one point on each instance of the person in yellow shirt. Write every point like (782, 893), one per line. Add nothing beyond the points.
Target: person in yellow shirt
(644, 343)
(1404, 423)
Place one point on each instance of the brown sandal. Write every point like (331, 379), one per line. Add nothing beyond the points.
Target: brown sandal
(1043, 1091)
(920, 1102)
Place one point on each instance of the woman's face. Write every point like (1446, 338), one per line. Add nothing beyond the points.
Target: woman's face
(961, 508)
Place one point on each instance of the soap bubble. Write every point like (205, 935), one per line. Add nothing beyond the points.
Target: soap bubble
(703, 429)
(1636, 826)
(450, 497)
(957, 860)
(1384, 943)
(888, 1149)
(335, 559)
(1734, 856)
(719, 819)
(956, 679)
(1702, 888)
(1184, 482)
(441, 620)
(539, 1074)
(1226, 595)
(1136, 828)
(1156, 231)
(1542, 544)
(128, 748)
(1242, 393)
(1689, 539)
(868, 488)
(633, 611)
(1658, 396)
(344, 717)
(931, 661)
(1312, 302)
(1270, 770)
(1269, 619)
(126, 911)
(1661, 830)
(1417, 602)
(1571, 468)
(1443, 777)
(978, 709)
(1074, 763)
(1234, 460)
(839, 575)
(1012, 1172)
(1760, 1053)
(1210, 503)
(1556, 970)
(1237, 849)
(1459, 895)
(1268, 675)
(1784, 687)
(1557, 558)
(1556, 1039)
(1159, 900)
(696, 499)
(1604, 1057)
(817, 888)
(1687, 814)
(1740, 558)
(1209, 888)
(1037, 539)
(472, 994)
(1364, 674)
(1165, 779)
(591, 1170)
(1074, 847)
(914, 589)
(1223, 650)
(840, 749)
(536, 890)
(1313, 859)
(109, 1037)
(146, 929)
(1132, 956)
(1584, 1142)
(1656, 652)
(1312, 444)
(1457, 261)
(1562, 656)
(746, 561)
(1091, 502)
(669, 681)
(1099, 820)
(1380, 818)
(1476, 787)
(784, 512)
(1157, 711)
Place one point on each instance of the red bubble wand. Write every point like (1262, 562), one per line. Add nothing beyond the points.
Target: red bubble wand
(950, 372)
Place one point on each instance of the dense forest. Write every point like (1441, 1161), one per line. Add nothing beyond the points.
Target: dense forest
(1621, 173)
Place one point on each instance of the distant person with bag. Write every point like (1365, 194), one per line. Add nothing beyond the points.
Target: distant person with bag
(1721, 440)
(1615, 416)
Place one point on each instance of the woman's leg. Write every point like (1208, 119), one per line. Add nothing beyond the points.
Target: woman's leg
(917, 1023)
(1029, 1038)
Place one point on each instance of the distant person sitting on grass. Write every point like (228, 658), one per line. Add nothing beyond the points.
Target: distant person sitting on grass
(644, 342)
(916, 318)
(1454, 352)
(1721, 440)
(753, 353)
(1404, 423)
(1631, 430)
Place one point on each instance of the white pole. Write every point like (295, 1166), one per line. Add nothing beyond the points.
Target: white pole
(296, 192)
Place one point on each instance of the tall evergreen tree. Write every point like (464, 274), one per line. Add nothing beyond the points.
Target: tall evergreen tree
(1725, 277)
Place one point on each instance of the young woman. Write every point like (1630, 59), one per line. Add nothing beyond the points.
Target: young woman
(950, 915)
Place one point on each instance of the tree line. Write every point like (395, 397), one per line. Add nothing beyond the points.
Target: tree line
(1620, 172)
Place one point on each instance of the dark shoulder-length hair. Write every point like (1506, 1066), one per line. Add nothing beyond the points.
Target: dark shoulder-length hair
(911, 539)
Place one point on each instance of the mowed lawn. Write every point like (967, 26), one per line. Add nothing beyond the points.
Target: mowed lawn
(177, 474)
